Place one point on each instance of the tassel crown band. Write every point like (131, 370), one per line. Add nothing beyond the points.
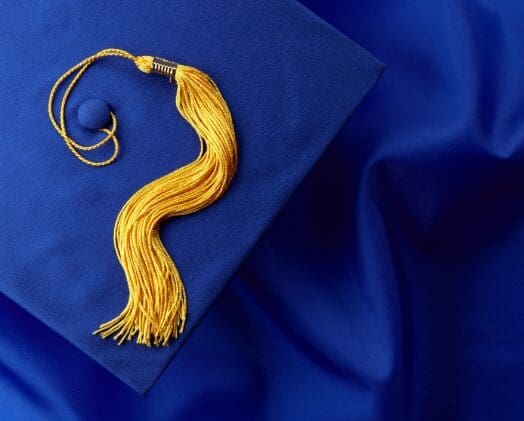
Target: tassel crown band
(156, 310)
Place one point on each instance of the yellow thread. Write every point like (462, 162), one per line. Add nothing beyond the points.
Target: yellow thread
(157, 308)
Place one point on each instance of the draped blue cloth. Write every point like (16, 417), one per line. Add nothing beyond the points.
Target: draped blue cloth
(389, 287)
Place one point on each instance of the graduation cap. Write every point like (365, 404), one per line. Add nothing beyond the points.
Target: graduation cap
(289, 81)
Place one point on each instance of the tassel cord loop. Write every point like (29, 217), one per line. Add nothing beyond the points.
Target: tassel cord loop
(60, 126)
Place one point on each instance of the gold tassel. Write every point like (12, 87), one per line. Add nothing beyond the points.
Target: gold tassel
(157, 307)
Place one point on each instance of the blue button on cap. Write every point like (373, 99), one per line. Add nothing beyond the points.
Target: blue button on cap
(93, 114)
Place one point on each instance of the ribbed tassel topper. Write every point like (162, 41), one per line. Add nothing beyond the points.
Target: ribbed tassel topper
(157, 307)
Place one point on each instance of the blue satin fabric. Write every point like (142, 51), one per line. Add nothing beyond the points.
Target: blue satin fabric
(389, 287)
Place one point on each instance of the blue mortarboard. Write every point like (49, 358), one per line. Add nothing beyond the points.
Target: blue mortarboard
(290, 81)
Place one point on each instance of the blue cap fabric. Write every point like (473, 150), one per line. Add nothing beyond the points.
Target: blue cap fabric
(290, 80)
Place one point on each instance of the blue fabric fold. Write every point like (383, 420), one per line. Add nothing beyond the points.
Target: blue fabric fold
(291, 82)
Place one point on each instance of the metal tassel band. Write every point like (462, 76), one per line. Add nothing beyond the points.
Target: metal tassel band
(164, 67)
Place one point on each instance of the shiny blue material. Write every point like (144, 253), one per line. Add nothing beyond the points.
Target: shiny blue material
(390, 285)
(93, 114)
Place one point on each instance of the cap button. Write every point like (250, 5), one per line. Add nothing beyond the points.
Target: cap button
(93, 114)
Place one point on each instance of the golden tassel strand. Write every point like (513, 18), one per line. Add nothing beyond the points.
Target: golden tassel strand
(157, 307)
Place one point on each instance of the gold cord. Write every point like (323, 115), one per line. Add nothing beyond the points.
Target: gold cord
(157, 307)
